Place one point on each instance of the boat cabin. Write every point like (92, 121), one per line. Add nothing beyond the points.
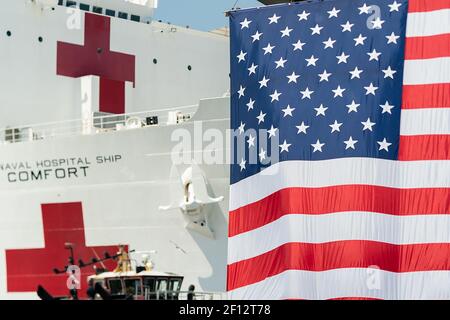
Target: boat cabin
(143, 285)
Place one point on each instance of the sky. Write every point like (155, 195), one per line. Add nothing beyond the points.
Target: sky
(199, 14)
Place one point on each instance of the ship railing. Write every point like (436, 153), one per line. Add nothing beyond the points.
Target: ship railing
(183, 295)
(97, 123)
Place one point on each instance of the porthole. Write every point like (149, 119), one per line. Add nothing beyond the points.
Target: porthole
(123, 15)
(8, 33)
(85, 7)
(71, 4)
(155, 61)
(98, 10)
(110, 13)
(189, 67)
(40, 39)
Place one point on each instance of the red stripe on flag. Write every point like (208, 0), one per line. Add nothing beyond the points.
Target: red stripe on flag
(427, 47)
(426, 96)
(339, 254)
(355, 298)
(427, 5)
(424, 147)
(342, 198)
(341, 298)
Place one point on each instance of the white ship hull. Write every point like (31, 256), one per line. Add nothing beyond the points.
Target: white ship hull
(121, 176)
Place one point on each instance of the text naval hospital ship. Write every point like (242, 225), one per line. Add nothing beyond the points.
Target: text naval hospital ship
(94, 94)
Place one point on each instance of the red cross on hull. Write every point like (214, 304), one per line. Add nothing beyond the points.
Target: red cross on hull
(96, 58)
(28, 268)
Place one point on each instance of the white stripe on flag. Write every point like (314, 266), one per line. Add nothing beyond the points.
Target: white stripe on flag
(344, 171)
(425, 121)
(324, 228)
(421, 24)
(349, 282)
(428, 71)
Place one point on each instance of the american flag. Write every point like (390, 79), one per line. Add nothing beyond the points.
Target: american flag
(353, 201)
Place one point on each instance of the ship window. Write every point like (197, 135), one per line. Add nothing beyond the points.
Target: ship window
(150, 288)
(40, 39)
(175, 285)
(60, 2)
(189, 67)
(133, 287)
(123, 15)
(98, 10)
(8, 33)
(174, 288)
(71, 4)
(162, 285)
(135, 18)
(85, 7)
(149, 283)
(110, 13)
(155, 61)
(115, 286)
